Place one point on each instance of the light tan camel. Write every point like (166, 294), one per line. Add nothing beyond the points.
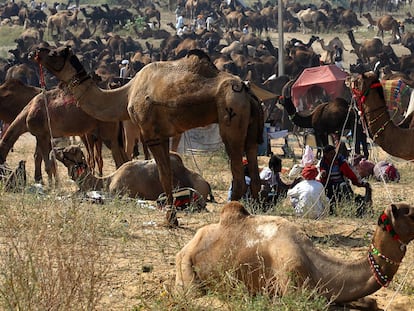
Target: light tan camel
(396, 141)
(269, 254)
(329, 48)
(66, 119)
(137, 179)
(61, 21)
(165, 99)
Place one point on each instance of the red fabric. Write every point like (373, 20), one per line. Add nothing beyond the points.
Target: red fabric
(391, 172)
(310, 172)
(330, 78)
(349, 172)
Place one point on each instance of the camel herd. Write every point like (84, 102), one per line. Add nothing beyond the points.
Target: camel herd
(182, 82)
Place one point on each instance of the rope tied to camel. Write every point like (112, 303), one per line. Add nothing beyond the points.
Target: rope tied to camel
(43, 87)
(361, 99)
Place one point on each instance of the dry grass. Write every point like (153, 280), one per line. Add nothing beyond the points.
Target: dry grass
(61, 253)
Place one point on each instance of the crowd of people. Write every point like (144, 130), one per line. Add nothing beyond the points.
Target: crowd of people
(320, 186)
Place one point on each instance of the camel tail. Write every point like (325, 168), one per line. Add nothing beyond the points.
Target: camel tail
(257, 114)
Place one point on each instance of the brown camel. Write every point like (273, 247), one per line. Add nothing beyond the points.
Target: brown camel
(388, 23)
(137, 179)
(394, 140)
(271, 255)
(14, 96)
(66, 119)
(369, 48)
(167, 98)
(327, 118)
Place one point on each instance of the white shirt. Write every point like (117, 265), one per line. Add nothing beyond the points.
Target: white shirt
(308, 199)
(180, 22)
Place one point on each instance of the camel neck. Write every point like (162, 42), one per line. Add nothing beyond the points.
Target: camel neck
(350, 280)
(392, 139)
(87, 181)
(104, 105)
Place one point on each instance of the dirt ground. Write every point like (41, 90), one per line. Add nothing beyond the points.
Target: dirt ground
(155, 246)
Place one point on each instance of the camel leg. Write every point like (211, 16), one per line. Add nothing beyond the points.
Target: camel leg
(160, 151)
(185, 274)
(175, 142)
(49, 159)
(87, 141)
(38, 165)
(234, 148)
(98, 155)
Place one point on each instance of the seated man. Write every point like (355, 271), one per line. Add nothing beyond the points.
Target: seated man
(308, 196)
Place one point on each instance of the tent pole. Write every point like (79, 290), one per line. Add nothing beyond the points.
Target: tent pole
(281, 66)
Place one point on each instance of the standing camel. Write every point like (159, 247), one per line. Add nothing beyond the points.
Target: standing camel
(66, 119)
(167, 98)
(14, 96)
(394, 140)
(327, 118)
(271, 255)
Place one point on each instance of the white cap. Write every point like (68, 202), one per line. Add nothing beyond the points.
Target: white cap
(125, 62)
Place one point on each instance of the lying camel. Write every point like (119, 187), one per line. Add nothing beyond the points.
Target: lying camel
(137, 179)
(269, 254)
(167, 98)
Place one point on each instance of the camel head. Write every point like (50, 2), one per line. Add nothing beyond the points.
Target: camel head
(62, 63)
(74, 159)
(398, 220)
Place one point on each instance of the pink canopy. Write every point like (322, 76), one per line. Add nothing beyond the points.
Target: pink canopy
(330, 78)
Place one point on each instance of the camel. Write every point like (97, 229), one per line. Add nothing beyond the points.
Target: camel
(387, 23)
(392, 139)
(167, 98)
(14, 96)
(329, 48)
(137, 179)
(316, 20)
(271, 255)
(369, 48)
(61, 21)
(327, 118)
(66, 119)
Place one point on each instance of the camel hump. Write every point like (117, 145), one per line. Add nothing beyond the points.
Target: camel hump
(233, 212)
(199, 53)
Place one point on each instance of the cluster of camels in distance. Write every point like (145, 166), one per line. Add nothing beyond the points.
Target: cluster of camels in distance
(210, 76)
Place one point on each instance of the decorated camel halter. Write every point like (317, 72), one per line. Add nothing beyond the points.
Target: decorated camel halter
(381, 278)
(361, 99)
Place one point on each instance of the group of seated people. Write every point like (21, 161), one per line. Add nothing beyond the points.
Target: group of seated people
(318, 189)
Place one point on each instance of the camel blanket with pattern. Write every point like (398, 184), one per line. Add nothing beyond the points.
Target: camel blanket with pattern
(393, 90)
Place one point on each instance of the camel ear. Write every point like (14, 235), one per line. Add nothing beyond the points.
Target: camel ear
(394, 211)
